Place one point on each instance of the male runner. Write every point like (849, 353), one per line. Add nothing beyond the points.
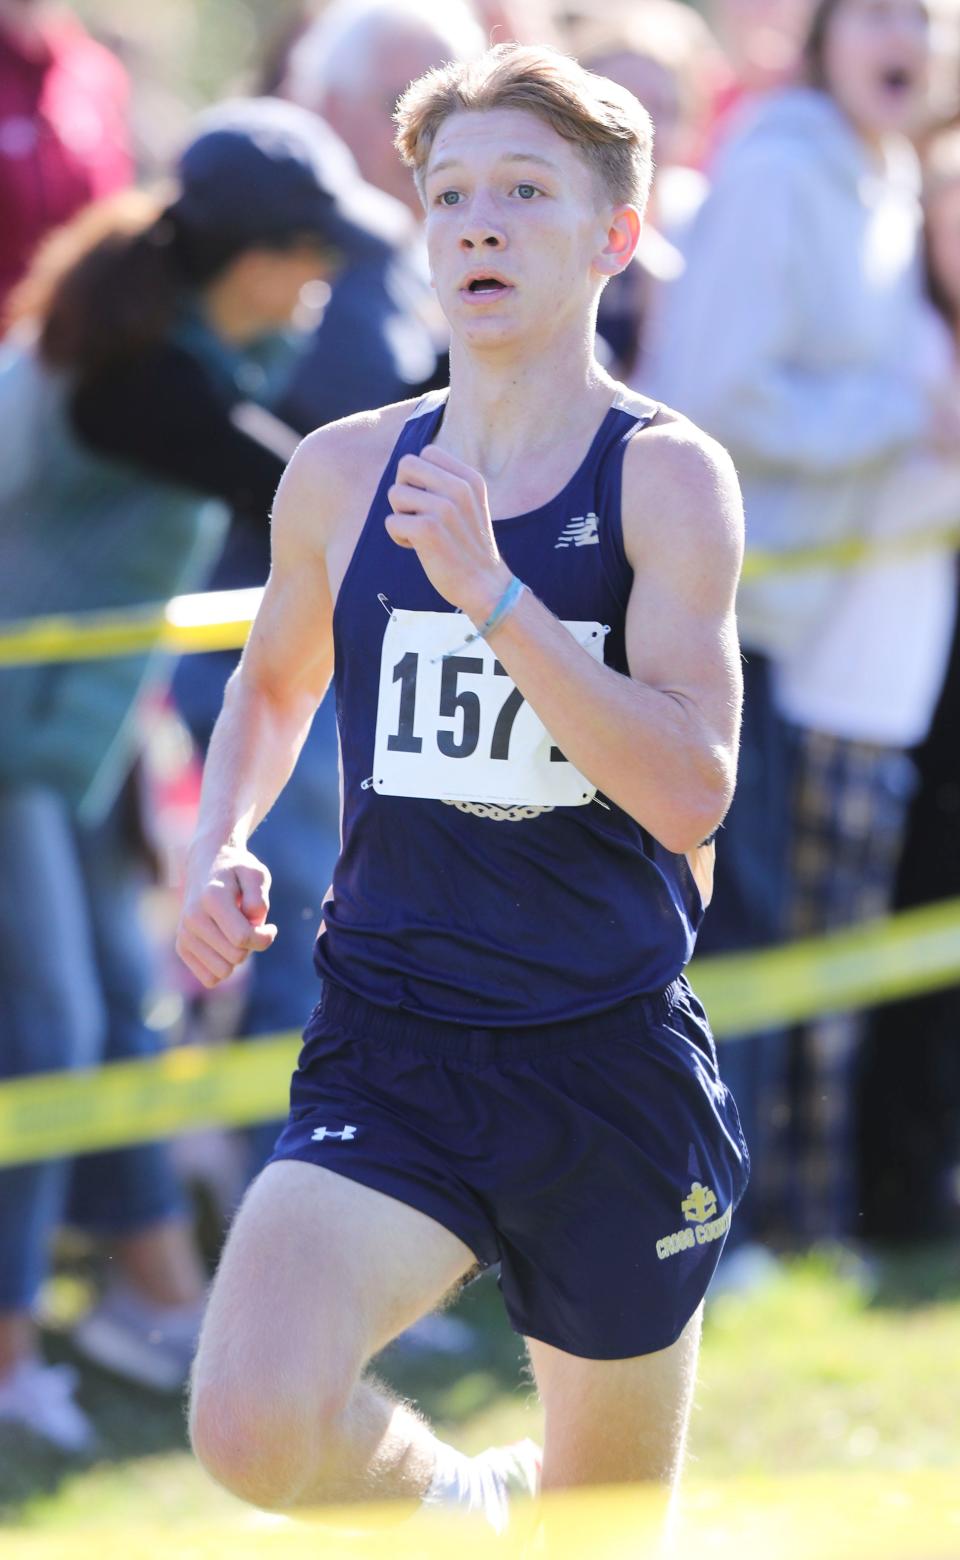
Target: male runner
(538, 717)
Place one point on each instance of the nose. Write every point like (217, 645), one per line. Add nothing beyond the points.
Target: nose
(482, 238)
(481, 231)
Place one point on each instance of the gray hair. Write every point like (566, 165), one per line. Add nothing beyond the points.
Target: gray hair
(337, 48)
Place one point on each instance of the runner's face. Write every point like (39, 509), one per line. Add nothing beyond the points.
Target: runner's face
(510, 200)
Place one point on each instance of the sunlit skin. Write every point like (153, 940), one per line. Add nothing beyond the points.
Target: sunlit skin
(259, 291)
(943, 240)
(876, 62)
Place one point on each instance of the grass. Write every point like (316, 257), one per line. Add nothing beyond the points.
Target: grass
(833, 1366)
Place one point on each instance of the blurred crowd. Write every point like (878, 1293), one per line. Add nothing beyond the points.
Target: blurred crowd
(796, 292)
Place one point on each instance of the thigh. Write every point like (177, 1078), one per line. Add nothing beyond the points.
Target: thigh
(319, 1273)
(615, 1421)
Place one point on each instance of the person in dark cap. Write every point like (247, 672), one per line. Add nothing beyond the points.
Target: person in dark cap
(268, 200)
(142, 340)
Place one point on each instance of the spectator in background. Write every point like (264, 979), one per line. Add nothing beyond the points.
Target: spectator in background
(800, 336)
(519, 21)
(657, 51)
(942, 229)
(125, 409)
(63, 127)
(915, 1193)
(353, 63)
(762, 50)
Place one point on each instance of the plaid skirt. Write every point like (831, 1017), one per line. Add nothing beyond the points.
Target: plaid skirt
(848, 819)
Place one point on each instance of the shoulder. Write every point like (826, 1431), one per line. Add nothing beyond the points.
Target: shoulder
(681, 502)
(334, 449)
(335, 471)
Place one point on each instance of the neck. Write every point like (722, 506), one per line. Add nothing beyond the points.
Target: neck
(874, 143)
(872, 139)
(502, 408)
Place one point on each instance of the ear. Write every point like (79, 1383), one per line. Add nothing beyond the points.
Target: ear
(623, 235)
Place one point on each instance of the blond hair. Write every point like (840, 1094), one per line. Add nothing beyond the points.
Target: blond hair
(611, 130)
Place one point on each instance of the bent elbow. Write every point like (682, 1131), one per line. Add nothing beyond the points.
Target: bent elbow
(681, 841)
(689, 824)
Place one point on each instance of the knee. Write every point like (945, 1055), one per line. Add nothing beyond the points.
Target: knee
(266, 1449)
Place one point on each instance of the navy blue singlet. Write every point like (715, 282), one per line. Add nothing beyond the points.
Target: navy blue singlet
(497, 916)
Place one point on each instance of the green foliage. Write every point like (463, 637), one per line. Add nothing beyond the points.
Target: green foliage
(196, 50)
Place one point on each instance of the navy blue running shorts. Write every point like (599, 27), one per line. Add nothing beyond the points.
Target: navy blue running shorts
(597, 1161)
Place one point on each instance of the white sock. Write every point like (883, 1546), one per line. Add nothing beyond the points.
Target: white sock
(483, 1483)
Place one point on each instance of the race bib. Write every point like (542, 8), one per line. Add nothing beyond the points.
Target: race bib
(458, 730)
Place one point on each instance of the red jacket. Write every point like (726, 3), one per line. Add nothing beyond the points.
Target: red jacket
(63, 135)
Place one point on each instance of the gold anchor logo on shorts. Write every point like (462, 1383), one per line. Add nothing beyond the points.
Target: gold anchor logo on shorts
(700, 1206)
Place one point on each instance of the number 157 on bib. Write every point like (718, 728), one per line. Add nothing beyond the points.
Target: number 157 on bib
(459, 729)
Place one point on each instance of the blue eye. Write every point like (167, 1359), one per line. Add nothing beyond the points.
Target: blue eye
(449, 198)
(527, 191)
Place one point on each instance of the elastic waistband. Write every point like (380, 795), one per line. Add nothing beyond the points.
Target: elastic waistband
(367, 1020)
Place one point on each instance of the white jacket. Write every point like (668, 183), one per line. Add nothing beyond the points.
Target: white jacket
(798, 335)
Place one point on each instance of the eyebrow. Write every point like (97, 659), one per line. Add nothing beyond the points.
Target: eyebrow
(508, 157)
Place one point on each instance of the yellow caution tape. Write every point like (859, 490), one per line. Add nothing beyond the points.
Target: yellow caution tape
(878, 961)
(213, 620)
(186, 1087)
(846, 553)
(220, 620)
(49, 1114)
(888, 1514)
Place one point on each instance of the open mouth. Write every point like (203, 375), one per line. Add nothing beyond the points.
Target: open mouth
(897, 80)
(486, 286)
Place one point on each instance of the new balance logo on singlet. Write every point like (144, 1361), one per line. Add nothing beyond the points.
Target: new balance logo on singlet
(580, 532)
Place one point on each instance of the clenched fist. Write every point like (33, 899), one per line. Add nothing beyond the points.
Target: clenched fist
(224, 916)
(440, 509)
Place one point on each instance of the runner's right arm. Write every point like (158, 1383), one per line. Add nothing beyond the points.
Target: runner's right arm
(268, 706)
